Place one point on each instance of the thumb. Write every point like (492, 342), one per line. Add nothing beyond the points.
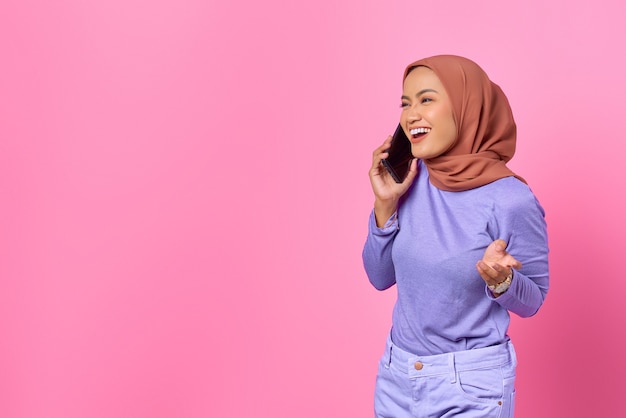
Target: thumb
(500, 245)
(412, 172)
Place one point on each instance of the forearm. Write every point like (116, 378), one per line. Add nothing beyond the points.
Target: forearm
(384, 210)
(525, 296)
(377, 253)
(525, 230)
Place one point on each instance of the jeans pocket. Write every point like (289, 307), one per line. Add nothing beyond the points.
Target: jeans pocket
(482, 385)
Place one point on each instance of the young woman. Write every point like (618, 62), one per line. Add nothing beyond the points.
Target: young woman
(464, 240)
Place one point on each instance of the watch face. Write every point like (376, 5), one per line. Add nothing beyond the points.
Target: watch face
(501, 287)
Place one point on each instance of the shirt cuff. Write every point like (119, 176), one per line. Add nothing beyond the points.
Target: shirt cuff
(390, 226)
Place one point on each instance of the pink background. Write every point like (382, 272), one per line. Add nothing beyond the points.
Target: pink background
(185, 194)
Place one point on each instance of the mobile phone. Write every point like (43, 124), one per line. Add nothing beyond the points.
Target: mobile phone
(400, 156)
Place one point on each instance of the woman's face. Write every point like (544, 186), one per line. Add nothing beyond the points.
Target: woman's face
(427, 116)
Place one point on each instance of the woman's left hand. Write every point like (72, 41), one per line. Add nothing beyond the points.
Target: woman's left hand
(496, 263)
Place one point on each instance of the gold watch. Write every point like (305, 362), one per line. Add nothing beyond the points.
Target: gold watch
(502, 286)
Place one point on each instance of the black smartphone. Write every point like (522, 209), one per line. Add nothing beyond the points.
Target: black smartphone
(400, 156)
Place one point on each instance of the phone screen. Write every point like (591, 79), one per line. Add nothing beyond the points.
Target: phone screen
(400, 156)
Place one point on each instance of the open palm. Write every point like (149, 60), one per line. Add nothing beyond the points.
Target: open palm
(497, 263)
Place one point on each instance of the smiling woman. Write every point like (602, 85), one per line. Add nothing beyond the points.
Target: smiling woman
(427, 116)
(463, 238)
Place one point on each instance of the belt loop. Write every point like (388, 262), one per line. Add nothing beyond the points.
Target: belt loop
(452, 368)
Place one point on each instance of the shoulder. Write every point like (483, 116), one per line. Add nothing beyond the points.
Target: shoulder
(514, 197)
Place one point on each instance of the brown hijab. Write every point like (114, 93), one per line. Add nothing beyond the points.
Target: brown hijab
(484, 122)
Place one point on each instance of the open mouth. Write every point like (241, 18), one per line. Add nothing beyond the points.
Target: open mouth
(418, 133)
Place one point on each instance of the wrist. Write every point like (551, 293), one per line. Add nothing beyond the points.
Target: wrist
(503, 286)
(383, 210)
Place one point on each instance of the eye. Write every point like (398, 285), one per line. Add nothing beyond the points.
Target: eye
(404, 104)
(426, 100)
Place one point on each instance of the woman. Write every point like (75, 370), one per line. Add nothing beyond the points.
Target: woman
(463, 239)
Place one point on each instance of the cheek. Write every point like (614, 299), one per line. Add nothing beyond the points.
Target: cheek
(451, 131)
(447, 140)
(452, 135)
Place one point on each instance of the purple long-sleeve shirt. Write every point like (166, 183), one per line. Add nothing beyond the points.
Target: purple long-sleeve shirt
(429, 250)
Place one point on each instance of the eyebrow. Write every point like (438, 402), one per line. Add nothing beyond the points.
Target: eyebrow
(419, 93)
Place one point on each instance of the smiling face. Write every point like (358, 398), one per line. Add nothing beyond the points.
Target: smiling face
(427, 117)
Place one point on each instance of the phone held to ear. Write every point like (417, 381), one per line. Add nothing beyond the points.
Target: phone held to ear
(400, 156)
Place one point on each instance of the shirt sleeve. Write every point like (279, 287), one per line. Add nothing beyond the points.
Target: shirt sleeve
(377, 252)
(523, 227)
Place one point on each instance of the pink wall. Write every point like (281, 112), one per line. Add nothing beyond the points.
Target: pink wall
(184, 199)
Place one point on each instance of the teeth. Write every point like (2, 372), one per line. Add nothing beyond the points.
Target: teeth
(419, 131)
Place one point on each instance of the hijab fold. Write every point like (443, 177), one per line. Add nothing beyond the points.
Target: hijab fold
(486, 131)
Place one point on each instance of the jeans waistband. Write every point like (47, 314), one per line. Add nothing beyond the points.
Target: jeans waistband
(449, 363)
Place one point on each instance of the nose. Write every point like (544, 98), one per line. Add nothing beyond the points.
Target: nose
(413, 114)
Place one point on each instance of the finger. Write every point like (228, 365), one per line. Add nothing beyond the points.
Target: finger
(380, 152)
(501, 272)
(510, 261)
(492, 275)
(486, 271)
(412, 172)
(500, 245)
(377, 168)
(376, 161)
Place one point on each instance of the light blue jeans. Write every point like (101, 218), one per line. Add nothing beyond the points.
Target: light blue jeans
(477, 383)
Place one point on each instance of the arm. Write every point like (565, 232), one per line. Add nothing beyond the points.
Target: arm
(383, 223)
(524, 233)
(525, 296)
(377, 253)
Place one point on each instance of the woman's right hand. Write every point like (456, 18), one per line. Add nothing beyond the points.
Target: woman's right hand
(386, 190)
